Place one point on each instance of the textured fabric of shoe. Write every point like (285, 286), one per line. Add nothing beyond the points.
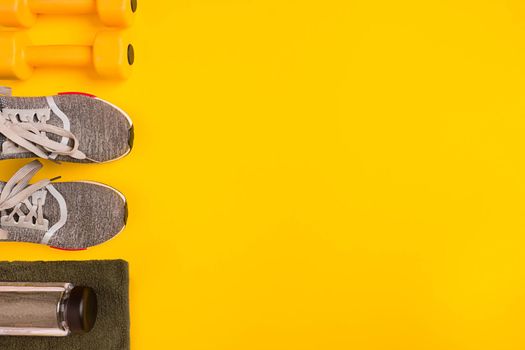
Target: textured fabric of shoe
(67, 215)
(68, 127)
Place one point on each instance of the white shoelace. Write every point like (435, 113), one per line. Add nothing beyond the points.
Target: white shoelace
(17, 191)
(31, 135)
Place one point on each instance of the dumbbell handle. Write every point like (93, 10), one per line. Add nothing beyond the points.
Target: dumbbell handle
(63, 7)
(65, 55)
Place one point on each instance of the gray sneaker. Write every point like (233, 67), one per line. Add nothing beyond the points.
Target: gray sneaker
(71, 127)
(65, 215)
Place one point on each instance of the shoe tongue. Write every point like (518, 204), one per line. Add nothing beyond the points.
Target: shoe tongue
(23, 102)
(6, 91)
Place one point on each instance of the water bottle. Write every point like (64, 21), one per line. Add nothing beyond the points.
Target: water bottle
(46, 309)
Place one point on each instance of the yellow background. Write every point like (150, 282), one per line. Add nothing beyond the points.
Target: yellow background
(315, 174)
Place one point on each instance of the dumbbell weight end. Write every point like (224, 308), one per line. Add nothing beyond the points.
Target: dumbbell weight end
(13, 64)
(16, 13)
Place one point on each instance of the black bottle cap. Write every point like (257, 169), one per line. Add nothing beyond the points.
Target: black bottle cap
(81, 310)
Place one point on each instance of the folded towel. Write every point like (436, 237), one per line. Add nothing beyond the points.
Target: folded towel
(109, 279)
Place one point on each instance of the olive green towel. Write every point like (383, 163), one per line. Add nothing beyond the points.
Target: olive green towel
(109, 278)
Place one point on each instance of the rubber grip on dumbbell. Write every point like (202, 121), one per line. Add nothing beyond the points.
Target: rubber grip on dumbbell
(63, 7)
(69, 56)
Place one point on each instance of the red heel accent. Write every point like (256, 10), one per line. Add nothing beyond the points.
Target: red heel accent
(77, 93)
(68, 250)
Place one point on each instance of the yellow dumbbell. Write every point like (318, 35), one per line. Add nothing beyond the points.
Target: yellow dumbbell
(23, 13)
(111, 55)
